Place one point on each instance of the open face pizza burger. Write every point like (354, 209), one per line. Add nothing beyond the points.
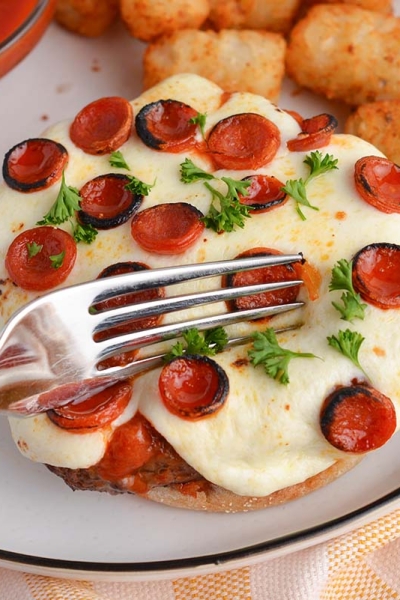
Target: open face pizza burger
(186, 174)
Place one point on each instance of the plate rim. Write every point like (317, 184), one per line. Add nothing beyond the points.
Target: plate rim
(204, 563)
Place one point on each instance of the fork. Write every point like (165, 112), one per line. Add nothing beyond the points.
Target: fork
(49, 354)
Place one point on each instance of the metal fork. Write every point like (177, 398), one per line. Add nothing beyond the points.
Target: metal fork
(50, 351)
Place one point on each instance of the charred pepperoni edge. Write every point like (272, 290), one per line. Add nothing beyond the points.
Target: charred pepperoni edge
(256, 155)
(109, 223)
(198, 412)
(355, 394)
(315, 133)
(107, 409)
(361, 285)
(60, 163)
(46, 277)
(152, 140)
(280, 198)
(85, 125)
(151, 243)
(371, 193)
(228, 281)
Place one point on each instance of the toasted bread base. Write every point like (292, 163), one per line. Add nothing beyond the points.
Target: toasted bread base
(204, 496)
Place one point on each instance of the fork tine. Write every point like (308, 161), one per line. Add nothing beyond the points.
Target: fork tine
(110, 287)
(139, 339)
(105, 320)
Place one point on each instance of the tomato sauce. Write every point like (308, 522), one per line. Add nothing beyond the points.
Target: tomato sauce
(13, 15)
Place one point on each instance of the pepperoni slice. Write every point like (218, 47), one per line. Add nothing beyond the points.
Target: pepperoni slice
(243, 141)
(96, 411)
(316, 132)
(357, 418)
(102, 126)
(262, 275)
(378, 183)
(296, 116)
(123, 300)
(193, 387)
(167, 228)
(34, 164)
(166, 125)
(41, 258)
(376, 274)
(131, 446)
(106, 202)
(264, 193)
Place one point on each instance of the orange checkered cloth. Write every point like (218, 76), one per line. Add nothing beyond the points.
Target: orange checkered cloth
(362, 565)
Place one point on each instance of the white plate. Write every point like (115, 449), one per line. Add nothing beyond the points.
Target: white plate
(46, 528)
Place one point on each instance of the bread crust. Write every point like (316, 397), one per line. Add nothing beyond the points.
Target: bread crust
(200, 495)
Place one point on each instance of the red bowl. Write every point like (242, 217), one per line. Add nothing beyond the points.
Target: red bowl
(21, 28)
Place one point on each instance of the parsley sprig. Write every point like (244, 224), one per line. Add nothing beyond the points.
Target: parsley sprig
(352, 307)
(135, 185)
(65, 206)
(200, 120)
(296, 188)
(348, 343)
(207, 343)
(225, 212)
(267, 352)
(64, 209)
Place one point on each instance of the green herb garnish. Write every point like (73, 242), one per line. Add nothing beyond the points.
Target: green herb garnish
(207, 343)
(200, 120)
(57, 260)
(84, 233)
(267, 352)
(65, 206)
(226, 212)
(136, 186)
(296, 188)
(33, 249)
(348, 343)
(352, 307)
(117, 160)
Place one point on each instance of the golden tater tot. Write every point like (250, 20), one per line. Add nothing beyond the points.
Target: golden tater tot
(149, 19)
(90, 18)
(346, 53)
(272, 15)
(379, 124)
(246, 61)
(382, 6)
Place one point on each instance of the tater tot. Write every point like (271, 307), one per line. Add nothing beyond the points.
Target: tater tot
(379, 124)
(382, 6)
(346, 53)
(90, 18)
(272, 15)
(249, 61)
(147, 20)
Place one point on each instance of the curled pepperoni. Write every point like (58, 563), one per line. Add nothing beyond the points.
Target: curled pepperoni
(243, 141)
(316, 132)
(34, 164)
(193, 387)
(123, 300)
(103, 125)
(166, 125)
(262, 275)
(106, 202)
(264, 193)
(357, 418)
(131, 446)
(167, 228)
(295, 115)
(378, 183)
(41, 258)
(376, 274)
(96, 411)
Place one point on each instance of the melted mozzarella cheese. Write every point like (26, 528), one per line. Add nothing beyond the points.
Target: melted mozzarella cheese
(267, 436)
